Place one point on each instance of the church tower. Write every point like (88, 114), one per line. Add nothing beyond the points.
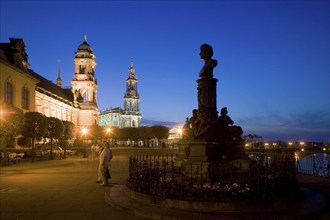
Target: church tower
(132, 116)
(84, 84)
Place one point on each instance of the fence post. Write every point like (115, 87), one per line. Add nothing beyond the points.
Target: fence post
(314, 166)
(328, 166)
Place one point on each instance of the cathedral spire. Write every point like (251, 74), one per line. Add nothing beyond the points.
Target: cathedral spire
(85, 38)
(132, 100)
(59, 80)
(131, 69)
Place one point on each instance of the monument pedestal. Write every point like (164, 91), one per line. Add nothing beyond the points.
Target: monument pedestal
(194, 158)
(198, 151)
(195, 150)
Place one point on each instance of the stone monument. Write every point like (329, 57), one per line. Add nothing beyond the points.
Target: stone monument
(207, 137)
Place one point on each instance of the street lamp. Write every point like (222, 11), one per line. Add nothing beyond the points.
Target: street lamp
(266, 145)
(274, 145)
(180, 133)
(107, 130)
(302, 145)
(84, 131)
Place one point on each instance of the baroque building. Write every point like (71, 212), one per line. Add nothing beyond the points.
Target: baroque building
(130, 116)
(30, 91)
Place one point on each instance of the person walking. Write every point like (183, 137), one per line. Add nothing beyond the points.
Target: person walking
(104, 163)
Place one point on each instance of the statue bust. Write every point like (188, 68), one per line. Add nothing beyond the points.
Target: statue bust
(206, 53)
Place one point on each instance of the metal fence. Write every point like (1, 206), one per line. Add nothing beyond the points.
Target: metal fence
(316, 165)
(265, 176)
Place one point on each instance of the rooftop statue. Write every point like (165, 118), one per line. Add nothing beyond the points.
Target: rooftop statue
(206, 53)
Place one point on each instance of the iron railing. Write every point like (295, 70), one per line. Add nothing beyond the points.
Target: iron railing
(316, 165)
(265, 176)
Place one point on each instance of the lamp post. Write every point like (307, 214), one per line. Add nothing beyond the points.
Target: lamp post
(180, 133)
(107, 131)
(84, 131)
(266, 145)
(302, 146)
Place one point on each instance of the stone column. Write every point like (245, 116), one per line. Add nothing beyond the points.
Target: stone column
(207, 107)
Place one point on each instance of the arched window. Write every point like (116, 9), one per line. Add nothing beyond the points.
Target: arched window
(46, 110)
(64, 114)
(25, 97)
(52, 111)
(59, 113)
(84, 96)
(9, 92)
(68, 116)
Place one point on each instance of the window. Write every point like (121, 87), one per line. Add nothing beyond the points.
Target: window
(25, 97)
(38, 106)
(46, 110)
(52, 111)
(9, 92)
(63, 114)
(59, 113)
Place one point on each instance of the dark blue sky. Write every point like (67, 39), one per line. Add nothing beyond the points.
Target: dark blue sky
(273, 56)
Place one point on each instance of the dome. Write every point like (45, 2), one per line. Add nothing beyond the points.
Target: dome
(85, 45)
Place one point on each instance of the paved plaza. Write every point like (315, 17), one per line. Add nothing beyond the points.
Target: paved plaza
(66, 189)
(59, 189)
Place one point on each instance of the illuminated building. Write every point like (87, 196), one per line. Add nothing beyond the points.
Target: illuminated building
(30, 91)
(130, 116)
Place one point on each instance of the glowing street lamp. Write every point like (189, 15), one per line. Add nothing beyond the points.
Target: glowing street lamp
(302, 145)
(266, 145)
(274, 145)
(107, 131)
(84, 131)
(290, 144)
(180, 133)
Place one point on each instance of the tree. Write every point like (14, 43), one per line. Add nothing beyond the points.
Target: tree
(68, 130)
(34, 127)
(54, 130)
(22, 141)
(68, 134)
(96, 133)
(160, 131)
(11, 120)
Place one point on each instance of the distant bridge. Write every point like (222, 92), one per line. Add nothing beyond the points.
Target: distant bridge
(312, 161)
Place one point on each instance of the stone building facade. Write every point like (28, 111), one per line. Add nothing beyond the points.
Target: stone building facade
(30, 91)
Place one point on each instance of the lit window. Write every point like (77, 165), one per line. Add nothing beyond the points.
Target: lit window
(9, 93)
(25, 98)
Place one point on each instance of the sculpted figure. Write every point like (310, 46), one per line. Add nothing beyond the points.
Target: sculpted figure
(224, 120)
(206, 53)
(231, 132)
(194, 122)
(186, 130)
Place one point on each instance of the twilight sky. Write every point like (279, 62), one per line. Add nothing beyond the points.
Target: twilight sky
(273, 56)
